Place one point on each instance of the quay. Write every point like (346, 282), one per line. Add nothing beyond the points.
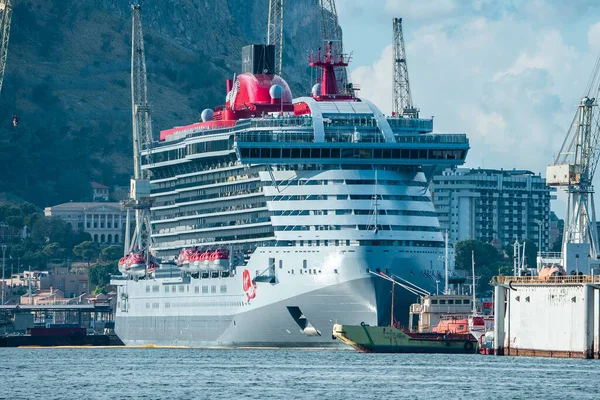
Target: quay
(555, 316)
(57, 325)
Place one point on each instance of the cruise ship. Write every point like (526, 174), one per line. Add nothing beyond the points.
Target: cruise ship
(271, 214)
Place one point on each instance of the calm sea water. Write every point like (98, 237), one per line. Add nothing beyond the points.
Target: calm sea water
(133, 373)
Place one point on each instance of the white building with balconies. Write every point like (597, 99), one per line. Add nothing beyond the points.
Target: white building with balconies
(493, 206)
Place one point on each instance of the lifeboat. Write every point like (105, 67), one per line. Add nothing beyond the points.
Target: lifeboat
(196, 263)
(219, 259)
(133, 264)
(205, 259)
(122, 263)
(184, 259)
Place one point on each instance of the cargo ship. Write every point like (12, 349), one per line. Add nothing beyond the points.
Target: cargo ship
(270, 213)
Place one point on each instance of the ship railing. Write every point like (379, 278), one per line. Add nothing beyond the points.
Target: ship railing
(282, 122)
(537, 280)
(346, 135)
(456, 138)
(411, 123)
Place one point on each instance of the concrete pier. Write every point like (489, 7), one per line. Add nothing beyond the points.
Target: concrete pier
(551, 317)
(499, 315)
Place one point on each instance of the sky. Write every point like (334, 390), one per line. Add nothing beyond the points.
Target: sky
(508, 73)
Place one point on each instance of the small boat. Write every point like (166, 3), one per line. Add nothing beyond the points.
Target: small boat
(196, 263)
(205, 259)
(133, 264)
(219, 259)
(390, 339)
(183, 261)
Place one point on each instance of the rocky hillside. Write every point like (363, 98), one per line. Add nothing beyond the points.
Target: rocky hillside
(67, 78)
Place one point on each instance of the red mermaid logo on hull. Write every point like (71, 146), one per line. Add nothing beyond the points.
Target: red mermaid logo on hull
(249, 286)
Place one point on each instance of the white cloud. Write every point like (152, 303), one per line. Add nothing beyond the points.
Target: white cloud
(594, 37)
(420, 9)
(510, 77)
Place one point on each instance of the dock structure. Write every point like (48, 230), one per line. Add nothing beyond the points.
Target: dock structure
(81, 314)
(556, 316)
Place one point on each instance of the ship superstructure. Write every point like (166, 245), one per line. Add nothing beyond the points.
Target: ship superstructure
(275, 210)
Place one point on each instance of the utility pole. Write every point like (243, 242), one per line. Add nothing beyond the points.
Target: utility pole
(403, 105)
(3, 266)
(275, 32)
(5, 18)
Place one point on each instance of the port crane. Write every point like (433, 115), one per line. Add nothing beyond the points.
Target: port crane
(573, 170)
(140, 200)
(275, 32)
(5, 18)
(331, 32)
(403, 105)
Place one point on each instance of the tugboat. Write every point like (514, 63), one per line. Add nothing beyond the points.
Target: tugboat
(390, 339)
(449, 335)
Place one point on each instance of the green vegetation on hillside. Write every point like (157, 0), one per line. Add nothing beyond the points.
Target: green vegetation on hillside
(67, 78)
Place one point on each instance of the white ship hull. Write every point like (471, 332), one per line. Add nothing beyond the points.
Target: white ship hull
(297, 310)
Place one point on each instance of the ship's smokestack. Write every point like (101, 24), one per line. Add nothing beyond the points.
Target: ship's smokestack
(258, 59)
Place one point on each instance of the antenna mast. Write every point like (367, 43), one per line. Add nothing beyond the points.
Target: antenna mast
(139, 199)
(5, 18)
(275, 32)
(403, 105)
(333, 33)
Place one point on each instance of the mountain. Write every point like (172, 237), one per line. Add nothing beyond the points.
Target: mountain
(68, 71)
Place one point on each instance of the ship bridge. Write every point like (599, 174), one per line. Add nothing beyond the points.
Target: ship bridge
(347, 132)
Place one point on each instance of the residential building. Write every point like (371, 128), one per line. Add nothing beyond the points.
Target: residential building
(99, 192)
(493, 206)
(59, 284)
(103, 221)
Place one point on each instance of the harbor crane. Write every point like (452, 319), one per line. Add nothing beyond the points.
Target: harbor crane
(275, 32)
(403, 105)
(331, 32)
(5, 18)
(573, 170)
(140, 200)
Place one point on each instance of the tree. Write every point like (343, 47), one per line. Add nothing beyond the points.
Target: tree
(112, 253)
(87, 250)
(80, 236)
(52, 250)
(54, 229)
(99, 274)
(485, 254)
(488, 262)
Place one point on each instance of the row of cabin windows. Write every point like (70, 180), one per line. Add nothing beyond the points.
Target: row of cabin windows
(360, 153)
(372, 182)
(232, 205)
(450, 301)
(353, 197)
(380, 227)
(414, 213)
(186, 289)
(209, 179)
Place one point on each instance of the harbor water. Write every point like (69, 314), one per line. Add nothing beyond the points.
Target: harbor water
(160, 373)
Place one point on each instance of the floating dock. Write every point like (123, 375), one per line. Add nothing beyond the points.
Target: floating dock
(555, 316)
